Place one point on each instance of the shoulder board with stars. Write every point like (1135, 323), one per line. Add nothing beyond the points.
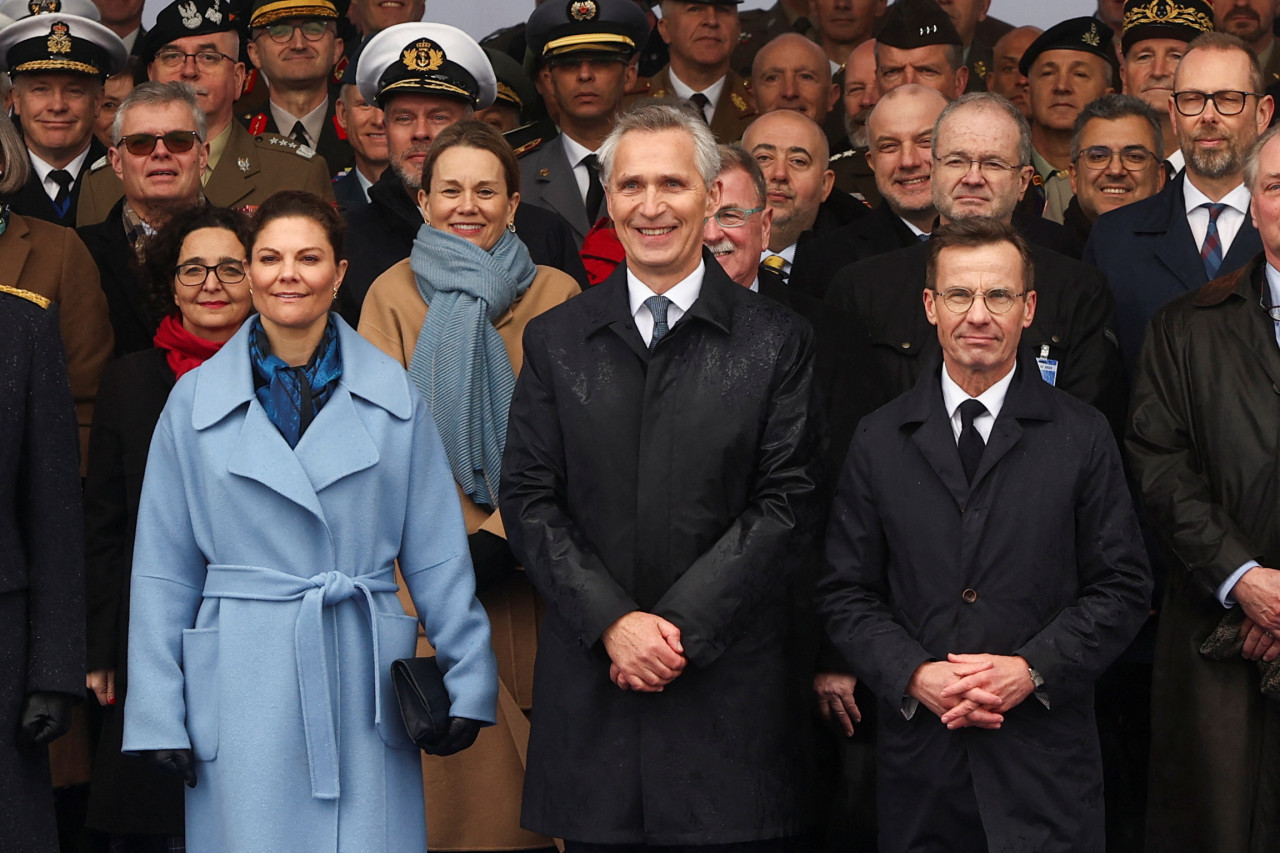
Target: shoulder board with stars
(42, 301)
(283, 143)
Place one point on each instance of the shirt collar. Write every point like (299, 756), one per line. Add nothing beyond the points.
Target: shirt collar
(683, 295)
(1237, 199)
(788, 254)
(914, 230)
(574, 151)
(685, 91)
(993, 398)
(1273, 284)
(312, 122)
(217, 145)
(43, 169)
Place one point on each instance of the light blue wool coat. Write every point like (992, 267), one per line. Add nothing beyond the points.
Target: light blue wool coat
(264, 617)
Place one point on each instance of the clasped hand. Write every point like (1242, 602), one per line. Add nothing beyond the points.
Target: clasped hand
(1258, 594)
(972, 690)
(645, 652)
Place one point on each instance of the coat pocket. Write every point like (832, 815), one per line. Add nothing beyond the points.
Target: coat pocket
(200, 690)
(397, 638)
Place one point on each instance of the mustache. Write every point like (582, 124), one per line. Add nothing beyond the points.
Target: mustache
(723, 246)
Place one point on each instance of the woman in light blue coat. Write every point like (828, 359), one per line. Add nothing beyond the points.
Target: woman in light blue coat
(286, 478)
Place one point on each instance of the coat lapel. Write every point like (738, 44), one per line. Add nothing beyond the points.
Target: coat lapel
(228, 184)
(1254, 329)
(1176, 246)
(560, 188)
(934, 437)
(13, 252)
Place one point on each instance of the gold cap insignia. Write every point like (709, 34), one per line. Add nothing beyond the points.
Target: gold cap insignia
(44, 7)
(1167, 13)
(1091, 38)
(423, 56)
(59, 38)
(583, 10)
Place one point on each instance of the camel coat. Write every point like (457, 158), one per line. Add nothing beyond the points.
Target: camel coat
(473, 798)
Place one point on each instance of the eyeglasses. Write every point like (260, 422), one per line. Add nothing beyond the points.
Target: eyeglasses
(206, 60)
(989, 168)
(1135, 158)
(175, 142)
(195, 275)
(1227, 102)
(960, 299)
(735, 217)
(282, 33)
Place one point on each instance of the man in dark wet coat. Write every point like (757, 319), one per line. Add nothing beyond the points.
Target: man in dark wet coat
(661, 488)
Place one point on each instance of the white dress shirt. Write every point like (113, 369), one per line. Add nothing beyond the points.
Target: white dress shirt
(685, 92)
(43, 170)
(788, 256)
(682, 297)
(312, 122)
(993, 398)
(1229, 221)
(577, 155)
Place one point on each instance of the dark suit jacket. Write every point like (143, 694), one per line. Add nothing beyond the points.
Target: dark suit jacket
(1045, 548)
(547, 180)
(381, 233)
(122, 282)
(1149, 256)
(33, 201)
(1072, 322)
(681, 481)
(41, 558)
(335, 149)
(348, 192)
(127, 796)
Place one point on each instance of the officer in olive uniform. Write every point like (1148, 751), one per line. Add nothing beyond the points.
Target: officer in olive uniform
(732, 108)
(319, 129)
(560, 172)
(761, 26)
(244, 169)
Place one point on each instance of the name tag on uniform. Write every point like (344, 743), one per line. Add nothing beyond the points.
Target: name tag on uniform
(1048, 366)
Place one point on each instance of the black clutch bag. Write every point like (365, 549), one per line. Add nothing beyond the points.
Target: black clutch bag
(424, 702)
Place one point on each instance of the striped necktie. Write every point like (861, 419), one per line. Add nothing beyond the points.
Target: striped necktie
(1211, 250)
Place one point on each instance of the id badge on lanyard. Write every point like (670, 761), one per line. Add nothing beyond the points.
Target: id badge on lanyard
(1048, 366)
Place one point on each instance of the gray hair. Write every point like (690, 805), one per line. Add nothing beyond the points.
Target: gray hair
(991, 101)
(655, 117)
(736, 157)
(152, 94)
(13, 153)
(1112, 108)
(1252, 159)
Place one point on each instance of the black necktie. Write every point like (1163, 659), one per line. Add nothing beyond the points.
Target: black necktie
(299, 134)
(595, 191)
(700, 101)
(971, 443)
(62, 200)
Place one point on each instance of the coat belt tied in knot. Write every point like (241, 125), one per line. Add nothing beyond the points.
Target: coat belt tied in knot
(326, 589)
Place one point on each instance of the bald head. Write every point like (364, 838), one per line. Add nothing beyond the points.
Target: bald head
(860, 91)
(792, 73)
(792, 152)
(912, 98)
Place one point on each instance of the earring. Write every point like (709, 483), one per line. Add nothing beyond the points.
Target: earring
(335, 291)
(511, 226)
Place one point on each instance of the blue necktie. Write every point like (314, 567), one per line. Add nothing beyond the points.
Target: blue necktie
(657, 306)
(1211, 250)
(64, 180)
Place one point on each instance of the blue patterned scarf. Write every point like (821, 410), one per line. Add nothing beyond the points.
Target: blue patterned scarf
(293, 396)
(459, 362)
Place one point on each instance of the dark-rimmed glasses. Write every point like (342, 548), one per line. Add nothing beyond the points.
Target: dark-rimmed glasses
(195, 275)
(735, 217)
(175, 142)
(282, 33)
(1134, 158)
(1227, 102)
(171, 57)
(960, 299)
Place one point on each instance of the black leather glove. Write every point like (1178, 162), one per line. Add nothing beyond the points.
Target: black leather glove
(45, 717)
(492, 558)
(461, 734)
(175, 762)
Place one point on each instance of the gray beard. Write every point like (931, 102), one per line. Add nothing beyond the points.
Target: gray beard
(1213, 164)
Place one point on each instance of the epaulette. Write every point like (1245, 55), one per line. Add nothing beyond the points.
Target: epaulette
(642, 87)
(250, 80)
(42, 301)
(257, 123)
(99, 163)
(531, 137)
(340, 68)
(276, 141)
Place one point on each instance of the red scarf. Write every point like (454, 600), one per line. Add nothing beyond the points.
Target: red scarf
(184, 350)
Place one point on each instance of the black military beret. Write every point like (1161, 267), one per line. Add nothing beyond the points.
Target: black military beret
(188, 18)
(1087, 35)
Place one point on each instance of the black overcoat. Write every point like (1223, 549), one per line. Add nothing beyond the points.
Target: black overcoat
(122, 281)
(1072, 326)
(1204, 446)
(41, 563)
(682, 482)
(1041, 558)
(126, 796)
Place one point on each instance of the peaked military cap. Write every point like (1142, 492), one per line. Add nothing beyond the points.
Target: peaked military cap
(909, 24)
(18, 9)
(188, 18)
(575, 28)
(266, 12)
(430, 59)
(1087, 35)
(60, 42)
(514, 86)
(1158, 19)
